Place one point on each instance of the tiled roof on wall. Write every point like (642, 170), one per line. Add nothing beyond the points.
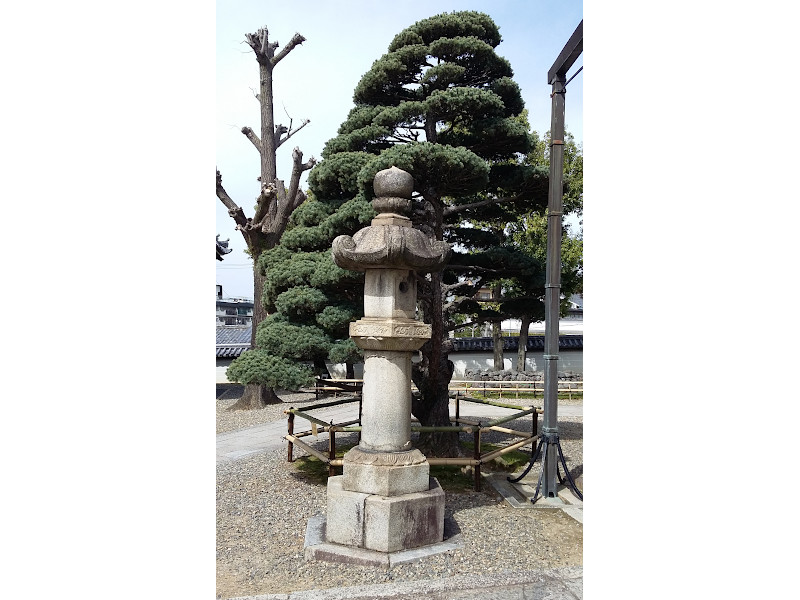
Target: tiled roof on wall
(535, 343)
(232, 340)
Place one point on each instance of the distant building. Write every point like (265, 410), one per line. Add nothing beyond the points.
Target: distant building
(233, 311)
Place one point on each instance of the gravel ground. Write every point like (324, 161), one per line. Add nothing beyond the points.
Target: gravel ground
(264, 503)
(228, 420)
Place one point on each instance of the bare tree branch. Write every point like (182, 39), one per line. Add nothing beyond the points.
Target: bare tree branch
(291, 132)
(298, 167)
(277, 206)
(296, 39)
(263, 202)
(299, 198)
(234, 210)
(280, 129)
(262, 47)
(258, 42)
(251, 135)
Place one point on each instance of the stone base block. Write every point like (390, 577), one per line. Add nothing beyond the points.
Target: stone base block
(386, 474)
(403, 522)
(384, 523)
(345, 514)
(316, 548)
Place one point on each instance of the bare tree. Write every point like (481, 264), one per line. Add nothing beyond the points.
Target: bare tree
(276, 202)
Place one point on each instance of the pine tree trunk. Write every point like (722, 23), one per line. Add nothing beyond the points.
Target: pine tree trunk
(432, 377)
(432, 407)
(523, 343)
(321, 369)
(256, 396)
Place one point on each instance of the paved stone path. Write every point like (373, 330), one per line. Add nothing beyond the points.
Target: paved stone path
(550, 584)
(234, 445)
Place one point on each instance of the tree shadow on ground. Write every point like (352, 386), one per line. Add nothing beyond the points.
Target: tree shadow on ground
(229, 391)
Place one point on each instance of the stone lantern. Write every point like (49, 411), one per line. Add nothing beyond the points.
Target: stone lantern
(386, 500)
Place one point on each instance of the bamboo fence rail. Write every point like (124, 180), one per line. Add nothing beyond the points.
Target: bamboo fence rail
(467, 426)
(350, 386)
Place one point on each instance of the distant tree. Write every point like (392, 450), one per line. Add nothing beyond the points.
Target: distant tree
(274, 205)
(524, 299)
(442, 105)
(518, 291)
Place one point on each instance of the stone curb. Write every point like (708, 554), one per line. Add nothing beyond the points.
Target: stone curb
(551, 584)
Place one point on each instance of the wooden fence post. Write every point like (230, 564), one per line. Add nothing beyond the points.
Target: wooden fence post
(477, 456)
(331, 450)
(290, 428)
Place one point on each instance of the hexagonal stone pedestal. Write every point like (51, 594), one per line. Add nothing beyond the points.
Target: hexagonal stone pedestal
(384, 523)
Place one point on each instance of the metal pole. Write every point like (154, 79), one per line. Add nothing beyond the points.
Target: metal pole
(556, 77)
(553, 286)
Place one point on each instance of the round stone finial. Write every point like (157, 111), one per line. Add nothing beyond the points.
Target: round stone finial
(393, 182)
(391, 242)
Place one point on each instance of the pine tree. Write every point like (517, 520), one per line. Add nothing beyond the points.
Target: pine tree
(311, 300)
(442, 105)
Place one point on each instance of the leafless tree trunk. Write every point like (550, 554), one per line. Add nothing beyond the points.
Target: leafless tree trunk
(275, 203)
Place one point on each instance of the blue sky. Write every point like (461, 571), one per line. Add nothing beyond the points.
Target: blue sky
(316, 80)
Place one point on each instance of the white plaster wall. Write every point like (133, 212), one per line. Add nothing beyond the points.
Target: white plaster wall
(568, 360)
(222, 367)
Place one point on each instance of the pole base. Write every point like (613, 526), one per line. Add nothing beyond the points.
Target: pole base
(548, 441)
